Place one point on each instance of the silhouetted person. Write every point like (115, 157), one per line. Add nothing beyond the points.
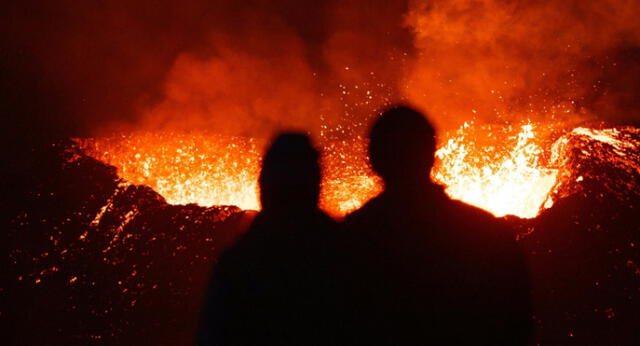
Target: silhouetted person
(274, 286)
(424, 269)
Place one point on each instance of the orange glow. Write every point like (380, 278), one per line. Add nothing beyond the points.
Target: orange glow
(220, 170)
(504, 177)
(184, 168)
(504, 180)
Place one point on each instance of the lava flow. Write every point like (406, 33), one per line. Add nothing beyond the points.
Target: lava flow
(185, 168)
(504, 179)
(509, 176)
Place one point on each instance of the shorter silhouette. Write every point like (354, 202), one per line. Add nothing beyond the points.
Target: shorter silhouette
(274, 286)
(424, 269)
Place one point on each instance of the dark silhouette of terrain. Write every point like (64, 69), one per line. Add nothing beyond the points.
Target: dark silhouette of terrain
(134, 275)
(583, 253)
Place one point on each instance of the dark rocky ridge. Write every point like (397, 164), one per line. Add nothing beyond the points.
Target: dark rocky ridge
(136, 273)
(584, 251)
(132, 276)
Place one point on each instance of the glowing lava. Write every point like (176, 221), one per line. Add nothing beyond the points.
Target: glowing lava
(506, 177)
(185, 168)
(504, 180)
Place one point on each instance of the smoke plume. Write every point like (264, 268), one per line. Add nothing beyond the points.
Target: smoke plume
(254, 67)
(545, 60)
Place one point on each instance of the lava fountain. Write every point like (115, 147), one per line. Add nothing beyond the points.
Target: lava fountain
(511, 175)
(507, 179)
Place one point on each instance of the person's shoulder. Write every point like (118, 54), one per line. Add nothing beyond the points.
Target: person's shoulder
(323, 226)
(484, 223)
(324, 219)
(456, 208)
(469, 212)
(371, 207)
(249, 243)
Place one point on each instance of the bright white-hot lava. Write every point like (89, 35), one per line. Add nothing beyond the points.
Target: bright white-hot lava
(506, 180)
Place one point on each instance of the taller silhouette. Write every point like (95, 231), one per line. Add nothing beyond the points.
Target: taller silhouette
(424, 269)
(274, 286)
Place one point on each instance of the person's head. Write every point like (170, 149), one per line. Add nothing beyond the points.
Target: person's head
(402, 147)
(290, 176)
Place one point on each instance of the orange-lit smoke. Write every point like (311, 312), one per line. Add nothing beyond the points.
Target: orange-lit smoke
(263, 73)
(278, 64)
(267, 67)
(496, 61)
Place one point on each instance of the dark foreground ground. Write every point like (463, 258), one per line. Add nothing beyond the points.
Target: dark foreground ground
(93, 260)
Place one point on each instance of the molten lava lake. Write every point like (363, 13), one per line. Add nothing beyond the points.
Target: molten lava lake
(506, 170)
